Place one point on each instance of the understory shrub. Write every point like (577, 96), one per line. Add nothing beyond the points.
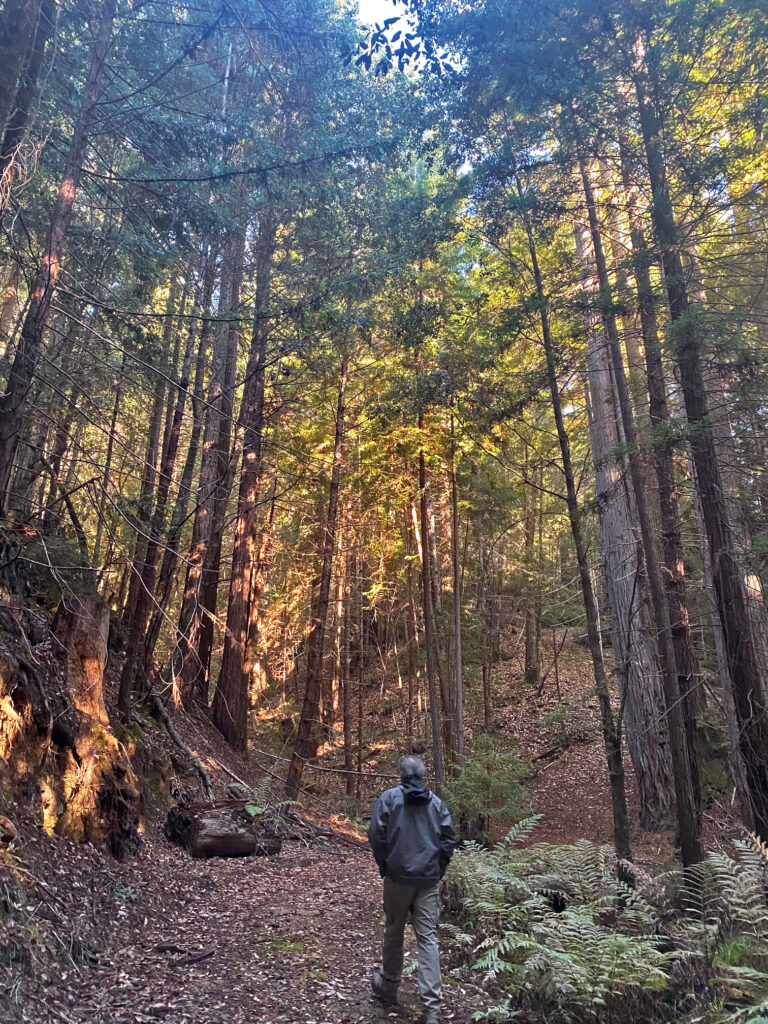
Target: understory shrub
(557, 935)
(490, 785)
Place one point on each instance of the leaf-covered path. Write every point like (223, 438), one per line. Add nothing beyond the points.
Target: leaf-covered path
(290, 940)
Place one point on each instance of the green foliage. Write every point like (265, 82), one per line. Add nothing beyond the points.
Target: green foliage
(568, 724)
(490, 785)
(557, 932)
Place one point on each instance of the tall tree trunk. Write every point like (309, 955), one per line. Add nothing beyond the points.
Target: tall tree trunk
(459, 682)
(430, 641)
(106, 475)
(410, 630)
(13, 402)
(308, 735)
(749, 689)
(610, 727)
(632, 628)
(346, 676)
(663, 456)
(187, 674)
(486, 618)
(10, 296)
(532, 670)
(18, 22)
(141, 591)
(184, 491)
(688, 815)
(226, 446)
(229, 711)
(16, 127)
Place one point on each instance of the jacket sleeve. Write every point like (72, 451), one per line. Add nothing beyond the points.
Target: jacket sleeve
(377, 834)
(448, 840)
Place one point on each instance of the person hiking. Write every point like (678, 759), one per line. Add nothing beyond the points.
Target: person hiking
(412, 839)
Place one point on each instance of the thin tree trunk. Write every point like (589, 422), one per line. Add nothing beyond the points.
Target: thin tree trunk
(184, 491)
(410, 630)
(18, 22)
(141, 589)
(13, 402)
(429, 622)
(346, 677)
(307, 737)
(360, 654)
(532, 670)
(611, 730)
(105, 479)
(10, 296)
(459, 682)
(226, 446)
(186, 671)
(16, 128)
(229, 711)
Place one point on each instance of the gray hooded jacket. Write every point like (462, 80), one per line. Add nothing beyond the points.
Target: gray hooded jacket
(411, 835)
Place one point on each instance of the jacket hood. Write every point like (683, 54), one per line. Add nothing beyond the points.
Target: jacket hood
(414, 791)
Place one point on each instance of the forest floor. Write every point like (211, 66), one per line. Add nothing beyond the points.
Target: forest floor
(290, 939)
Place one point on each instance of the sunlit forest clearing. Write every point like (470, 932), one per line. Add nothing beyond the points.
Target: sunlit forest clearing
(379, 382)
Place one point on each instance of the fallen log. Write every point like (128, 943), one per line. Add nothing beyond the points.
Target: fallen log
(217, 832)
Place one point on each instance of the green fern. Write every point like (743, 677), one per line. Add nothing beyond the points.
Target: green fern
(558, 932)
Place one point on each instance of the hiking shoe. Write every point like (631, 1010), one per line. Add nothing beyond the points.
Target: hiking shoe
(384, 990)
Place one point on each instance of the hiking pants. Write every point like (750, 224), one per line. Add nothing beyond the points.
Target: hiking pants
(424, 907)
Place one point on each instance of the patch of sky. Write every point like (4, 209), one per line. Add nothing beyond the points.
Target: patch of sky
(377, 11)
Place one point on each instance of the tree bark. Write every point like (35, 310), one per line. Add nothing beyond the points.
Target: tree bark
(663, 456)
(184, 491)
(430, 640)
(532, 670)
(688, 815)
(749, 689)
(187, 672)
(459, 682)
(13, 402)
(632, 628)
(16, 127)
(611, 730)
(229, 711)
(18, 22)
(226, 446)
(308, 734)
(141, 590)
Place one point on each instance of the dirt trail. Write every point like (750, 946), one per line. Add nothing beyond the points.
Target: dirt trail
(290, 940)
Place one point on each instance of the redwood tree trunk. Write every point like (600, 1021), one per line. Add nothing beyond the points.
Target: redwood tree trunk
(18, 22)
(611, 729)
(13, 402)
(16, 127)
(688, 822)
(749, 689)
(663, 456)
(632, 631)
(230, 703)
(188, 674)
(308, 734)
